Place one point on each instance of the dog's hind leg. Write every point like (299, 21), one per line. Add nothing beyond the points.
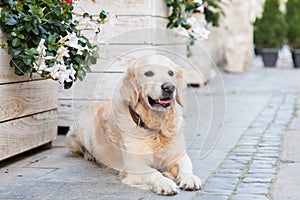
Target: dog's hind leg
(75, 145)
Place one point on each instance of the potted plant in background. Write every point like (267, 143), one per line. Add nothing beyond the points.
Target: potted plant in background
(270, 32)
(293, 29)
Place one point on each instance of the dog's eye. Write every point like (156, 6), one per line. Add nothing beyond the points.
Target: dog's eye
(171, 73)
(149, 73)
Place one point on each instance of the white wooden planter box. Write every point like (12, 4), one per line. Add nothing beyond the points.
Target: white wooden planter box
(28, 111)
(140, 30)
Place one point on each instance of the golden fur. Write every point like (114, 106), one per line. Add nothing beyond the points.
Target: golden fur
(108, 133)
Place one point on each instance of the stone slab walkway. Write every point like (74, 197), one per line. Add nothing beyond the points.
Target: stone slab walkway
(286, 185)
(234, 129)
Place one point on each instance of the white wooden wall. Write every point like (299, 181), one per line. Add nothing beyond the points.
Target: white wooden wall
(28, 110)
(140, 30)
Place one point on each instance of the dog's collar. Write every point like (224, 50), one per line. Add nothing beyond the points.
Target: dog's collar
(138, 120)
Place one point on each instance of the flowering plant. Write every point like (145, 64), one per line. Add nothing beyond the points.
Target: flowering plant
(45, 37)
(182, 18)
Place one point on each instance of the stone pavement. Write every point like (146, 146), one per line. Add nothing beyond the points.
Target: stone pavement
(287, 182)
(233, 138)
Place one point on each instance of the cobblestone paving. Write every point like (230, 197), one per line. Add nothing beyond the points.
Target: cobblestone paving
(250, 167)
(241, 166)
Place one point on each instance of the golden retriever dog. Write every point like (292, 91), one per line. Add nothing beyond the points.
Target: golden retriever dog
(140, 132)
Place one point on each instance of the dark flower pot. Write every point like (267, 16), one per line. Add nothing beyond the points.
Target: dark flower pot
(269, 56)
(296, 58)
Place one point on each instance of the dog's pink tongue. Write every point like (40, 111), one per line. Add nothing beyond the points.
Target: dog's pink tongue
(164, 101)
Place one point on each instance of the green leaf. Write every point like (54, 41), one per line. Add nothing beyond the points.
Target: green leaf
(79, 60)
(34, 51)
(10, 21)
(19, 66)
(11, 3)
(92, 60)
(51, 39)
(81, 74)
(87, 68)
(21, 36)
(86, 15)
(103, 14)
(27, 61)
(13, 34)
(28, 27)
(35, 31)
(19, 7)
(14, 52)
(15, 42)
(95, 54)
(68, 85)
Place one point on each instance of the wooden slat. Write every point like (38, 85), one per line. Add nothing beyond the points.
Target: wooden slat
(20, 135)
(26, 98)
(118, 57)
(128, 29)
(125, 7)
(138, 30)
(95, 86)
(69, 110)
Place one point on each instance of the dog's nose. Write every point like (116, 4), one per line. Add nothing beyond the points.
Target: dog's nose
(168, 87)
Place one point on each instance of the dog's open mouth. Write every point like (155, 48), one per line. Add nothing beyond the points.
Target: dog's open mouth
(165, 102)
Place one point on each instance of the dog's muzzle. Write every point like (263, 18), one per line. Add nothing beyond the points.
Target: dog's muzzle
(166, 97)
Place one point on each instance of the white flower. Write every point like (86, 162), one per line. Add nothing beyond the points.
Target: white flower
(71, 73)
(54, 71)
(183, 31)
(62, 52)
(72, 40)
(49, 58)
(40, 65)
(196, 29)
(192, 21)
(200, 8)
(41, 48)
(63, 76)
(200, 32)
(198, 1)
(89, 24)
(61, 73)
(62, 39)
(76, 3)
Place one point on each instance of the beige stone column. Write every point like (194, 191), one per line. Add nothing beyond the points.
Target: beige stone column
(232, 42)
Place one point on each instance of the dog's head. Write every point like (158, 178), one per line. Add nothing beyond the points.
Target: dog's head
(155, 81)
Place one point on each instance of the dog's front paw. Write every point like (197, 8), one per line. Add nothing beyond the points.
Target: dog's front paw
(166, 187)
(189, 182)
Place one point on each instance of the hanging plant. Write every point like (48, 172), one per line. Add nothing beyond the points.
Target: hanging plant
(45, 37)
(181, 17)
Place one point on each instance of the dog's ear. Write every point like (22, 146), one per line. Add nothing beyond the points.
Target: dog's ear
(129, 90)
(180, 86)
